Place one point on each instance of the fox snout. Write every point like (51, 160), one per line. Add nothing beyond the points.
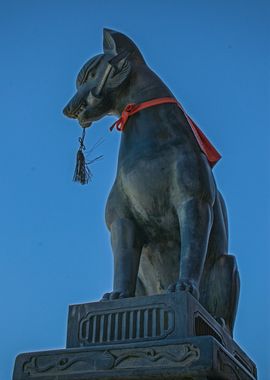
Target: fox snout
(75, 106)
(67, 111)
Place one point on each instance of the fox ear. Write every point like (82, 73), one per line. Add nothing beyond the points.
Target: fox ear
(115, 42)
(109, 46)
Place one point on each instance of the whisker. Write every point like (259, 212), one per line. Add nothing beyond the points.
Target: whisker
(96, 145)
(95, 159)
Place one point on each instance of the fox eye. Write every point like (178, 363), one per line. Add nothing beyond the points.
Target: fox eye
(88, 71)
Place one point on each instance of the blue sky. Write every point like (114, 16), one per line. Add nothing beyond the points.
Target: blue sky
(55, 251)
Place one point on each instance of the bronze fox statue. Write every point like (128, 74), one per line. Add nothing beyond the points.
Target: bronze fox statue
(167, 219)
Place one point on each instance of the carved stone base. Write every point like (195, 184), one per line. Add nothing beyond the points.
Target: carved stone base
(193, 358)
(143, 338)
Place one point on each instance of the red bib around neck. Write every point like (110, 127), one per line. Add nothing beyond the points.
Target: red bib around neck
(207, 148)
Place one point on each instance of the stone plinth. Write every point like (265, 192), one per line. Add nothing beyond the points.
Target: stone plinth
(165, 336)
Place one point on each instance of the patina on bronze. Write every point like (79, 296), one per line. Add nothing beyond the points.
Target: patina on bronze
(167, 219)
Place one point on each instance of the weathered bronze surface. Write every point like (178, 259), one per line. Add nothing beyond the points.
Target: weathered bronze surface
(169, 232)
(167, 219)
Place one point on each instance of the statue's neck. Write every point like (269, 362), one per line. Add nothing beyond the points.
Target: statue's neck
(142, 87)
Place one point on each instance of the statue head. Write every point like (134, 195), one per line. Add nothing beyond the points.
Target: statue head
(102, 78)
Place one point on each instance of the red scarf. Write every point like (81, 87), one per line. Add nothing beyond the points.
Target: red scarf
(207, 148)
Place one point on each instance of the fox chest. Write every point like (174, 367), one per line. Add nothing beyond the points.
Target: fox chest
(148, 187)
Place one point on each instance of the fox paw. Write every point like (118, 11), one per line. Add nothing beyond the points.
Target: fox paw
(115, 295)
(184, 285)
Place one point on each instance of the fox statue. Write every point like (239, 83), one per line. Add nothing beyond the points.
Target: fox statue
(167, 219)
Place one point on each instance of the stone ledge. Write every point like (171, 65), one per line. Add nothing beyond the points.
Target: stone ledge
(188, 359)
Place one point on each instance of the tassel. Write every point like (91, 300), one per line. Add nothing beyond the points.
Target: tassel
(82, 172)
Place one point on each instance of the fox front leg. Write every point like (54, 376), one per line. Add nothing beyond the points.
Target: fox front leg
(195, 220)
(127, 246)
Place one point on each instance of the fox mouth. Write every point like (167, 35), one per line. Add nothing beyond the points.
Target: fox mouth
(83, 112)
(82, 120)
(79, 110)
(85, 124)
(79, 114)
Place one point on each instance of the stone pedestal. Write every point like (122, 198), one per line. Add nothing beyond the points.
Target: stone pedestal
(166, 336)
